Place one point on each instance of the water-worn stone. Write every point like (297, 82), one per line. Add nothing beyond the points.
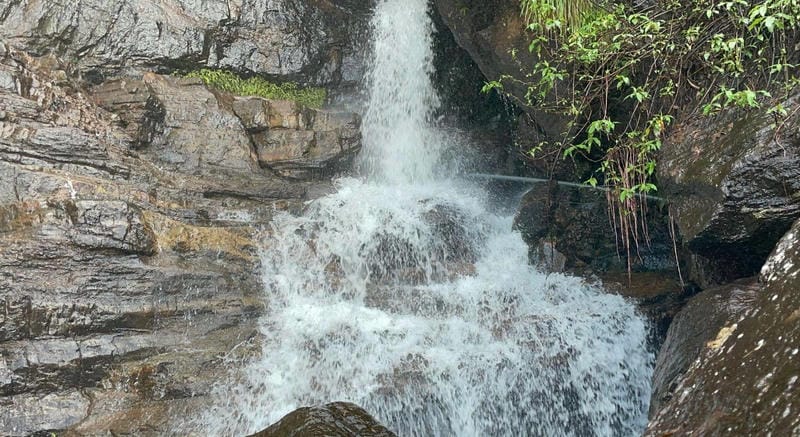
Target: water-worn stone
(692, 329)
(299, 142)
(734, 184)
(746, 380)
(112, 225)
(313, 41)
(338, 419)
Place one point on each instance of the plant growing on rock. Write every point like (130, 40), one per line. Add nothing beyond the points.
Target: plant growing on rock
(621, 74)
(256, 86)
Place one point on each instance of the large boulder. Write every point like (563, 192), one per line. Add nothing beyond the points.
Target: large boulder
(338, 419)
(734, 184)
(314, 41)
(693, 328)
(744, 381)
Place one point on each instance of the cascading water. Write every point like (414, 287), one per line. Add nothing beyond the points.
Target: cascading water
(403, 294)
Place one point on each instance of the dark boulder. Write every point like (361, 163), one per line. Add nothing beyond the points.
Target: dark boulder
(734, 184)
(570, 228)
(338, 419)
(691, 331)
(745, 379)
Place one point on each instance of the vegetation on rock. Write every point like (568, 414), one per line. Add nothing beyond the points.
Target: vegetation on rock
(622, 74)
(256, 86)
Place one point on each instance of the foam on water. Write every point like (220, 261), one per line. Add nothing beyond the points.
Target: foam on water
(402, 293)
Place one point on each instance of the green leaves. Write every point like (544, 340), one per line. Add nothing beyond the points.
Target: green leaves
(619, 75)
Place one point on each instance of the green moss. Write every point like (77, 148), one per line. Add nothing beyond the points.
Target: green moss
(256, 86)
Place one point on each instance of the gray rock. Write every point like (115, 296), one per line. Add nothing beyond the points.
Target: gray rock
(197, 132)
(186, 127)
(575, 222)
(734, 184)
(309, 40)
(337, 419)
(24, 415)
(112, 225)
(123, 280)
(745, 380)
(299, 142)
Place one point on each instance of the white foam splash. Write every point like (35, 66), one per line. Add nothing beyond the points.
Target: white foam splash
(403, 294)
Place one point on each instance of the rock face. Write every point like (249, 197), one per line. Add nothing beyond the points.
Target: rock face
(128, 243)
(182, 125)
(745, 379)
(572, 224)
(734, 183)
(494, 34)
(298, 142)
(313, 41)
(337, 419)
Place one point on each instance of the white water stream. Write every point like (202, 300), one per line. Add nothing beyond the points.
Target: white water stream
(402, 293)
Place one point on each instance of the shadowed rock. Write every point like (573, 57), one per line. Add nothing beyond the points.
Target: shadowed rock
(734, 184)
(337, 419)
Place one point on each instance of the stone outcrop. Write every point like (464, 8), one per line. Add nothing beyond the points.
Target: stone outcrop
(299, 142)
(338, 419)
(183, 126)
(745, 379)
(495, 36)
(313, 41)
(734, 183)
(128, 245)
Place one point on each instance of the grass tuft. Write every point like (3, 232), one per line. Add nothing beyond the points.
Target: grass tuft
(256, 86)
(557, 15)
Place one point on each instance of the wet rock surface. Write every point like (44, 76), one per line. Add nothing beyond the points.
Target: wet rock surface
(337, 419)
(494, 35)
(313, 41)
(570, 230)
(697, 325)
(734, 184)
(128, 240)
(745, 379)
(298, 142)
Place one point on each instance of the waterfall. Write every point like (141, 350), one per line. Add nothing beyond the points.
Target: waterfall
(402, 292)
(401, 144)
